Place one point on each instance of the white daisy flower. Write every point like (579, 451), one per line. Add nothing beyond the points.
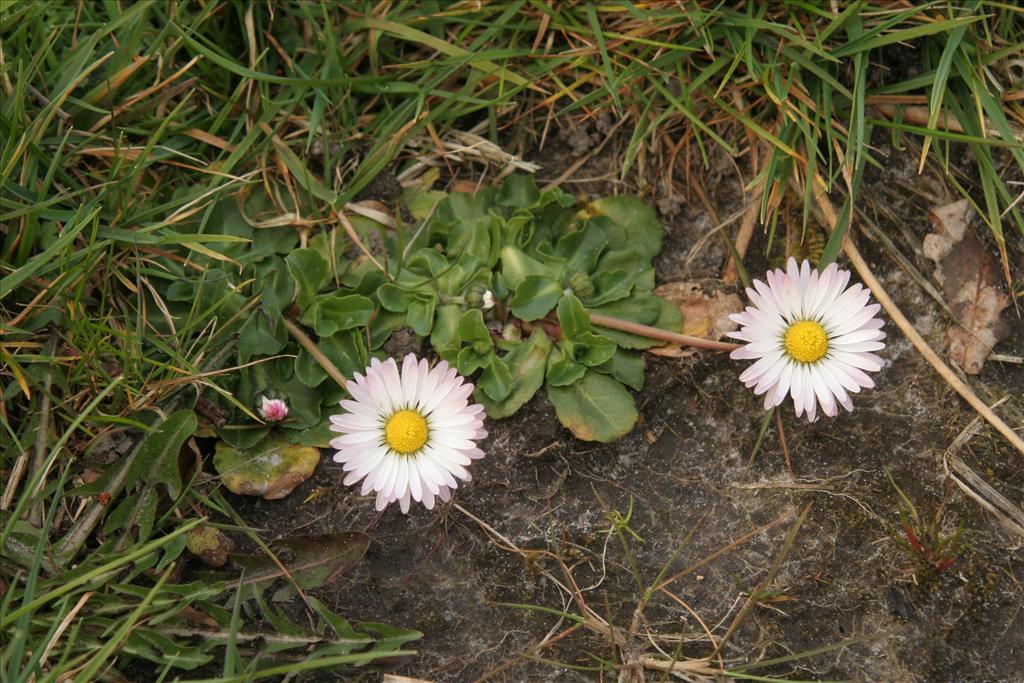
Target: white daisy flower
(812, 338)
(408, 436)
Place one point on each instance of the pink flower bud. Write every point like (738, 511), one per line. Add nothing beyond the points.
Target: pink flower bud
(273, 409)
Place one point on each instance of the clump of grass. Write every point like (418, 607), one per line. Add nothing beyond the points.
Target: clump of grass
(924, 540)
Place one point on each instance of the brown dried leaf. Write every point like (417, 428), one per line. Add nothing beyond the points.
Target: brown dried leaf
(705, 306)
(970, 282)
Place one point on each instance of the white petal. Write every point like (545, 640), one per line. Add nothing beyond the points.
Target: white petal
(415, 487)
(410, 378)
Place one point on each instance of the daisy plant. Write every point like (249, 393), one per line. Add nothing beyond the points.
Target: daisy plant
(812, 337)
(503, 285)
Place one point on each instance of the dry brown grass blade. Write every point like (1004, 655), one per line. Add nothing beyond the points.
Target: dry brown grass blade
(908, 330)
(143, 94)
(210, 139)
(918, 116)
(354, 236)
(766, 581)
(118, 79)
(723, 550)
(307, 343)
(974, 485)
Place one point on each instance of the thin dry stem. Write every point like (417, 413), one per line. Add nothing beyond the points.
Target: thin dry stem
(354, 236)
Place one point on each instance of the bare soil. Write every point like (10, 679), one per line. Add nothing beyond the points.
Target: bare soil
(686, 472)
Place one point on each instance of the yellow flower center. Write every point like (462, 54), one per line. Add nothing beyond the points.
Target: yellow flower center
(406, 432)
(806, 341)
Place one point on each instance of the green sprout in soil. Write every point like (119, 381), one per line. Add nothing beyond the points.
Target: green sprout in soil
(924, 540)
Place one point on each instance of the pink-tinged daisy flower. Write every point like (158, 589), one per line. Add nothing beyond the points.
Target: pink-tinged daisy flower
(273, 409)
(812, 338)
(409, 435)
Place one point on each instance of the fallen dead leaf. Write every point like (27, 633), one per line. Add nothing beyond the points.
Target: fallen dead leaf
(706, 306)
(970, 281)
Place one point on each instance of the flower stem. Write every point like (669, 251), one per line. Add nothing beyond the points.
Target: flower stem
(657, 333)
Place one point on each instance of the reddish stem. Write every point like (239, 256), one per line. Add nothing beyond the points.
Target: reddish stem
(657, 333)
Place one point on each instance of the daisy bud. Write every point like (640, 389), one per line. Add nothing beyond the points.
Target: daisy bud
(580, 284)
(479, 296)
(273, 409)
(812, 336)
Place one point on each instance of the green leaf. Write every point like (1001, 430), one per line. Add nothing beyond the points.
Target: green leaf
(582, 248)
(472, 327)
(535, 296)
(421, 314)
(383, 325)
(260, 336)
(633, 224)
(471, 237)
(445, 333)
(563, 369)
(639, 268)
(625, 366)
(646, 309)
(421, 204)
(610, 286)
(345, 349)
(519, 191)
(394, 298)
(573, 318)
(307, 370)
(157, 458)
(243, 438)
(341, 312)
(469, 360)
(310, 271)
(596, 408)
(593, 349)
(303, 402)
(318, 436)
(278, 288)
(526, 364)
(516, 266)
(312, 561)
(496, 380)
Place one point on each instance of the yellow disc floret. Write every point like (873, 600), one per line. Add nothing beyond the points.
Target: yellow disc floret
(406, 432)
(806, 341)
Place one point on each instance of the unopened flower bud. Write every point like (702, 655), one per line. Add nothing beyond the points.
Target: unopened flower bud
(479, 296)
(511, 333)
(580, 285)
(273, 409)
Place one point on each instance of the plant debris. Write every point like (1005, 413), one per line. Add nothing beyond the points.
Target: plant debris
(970, 282)
(705, 307)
